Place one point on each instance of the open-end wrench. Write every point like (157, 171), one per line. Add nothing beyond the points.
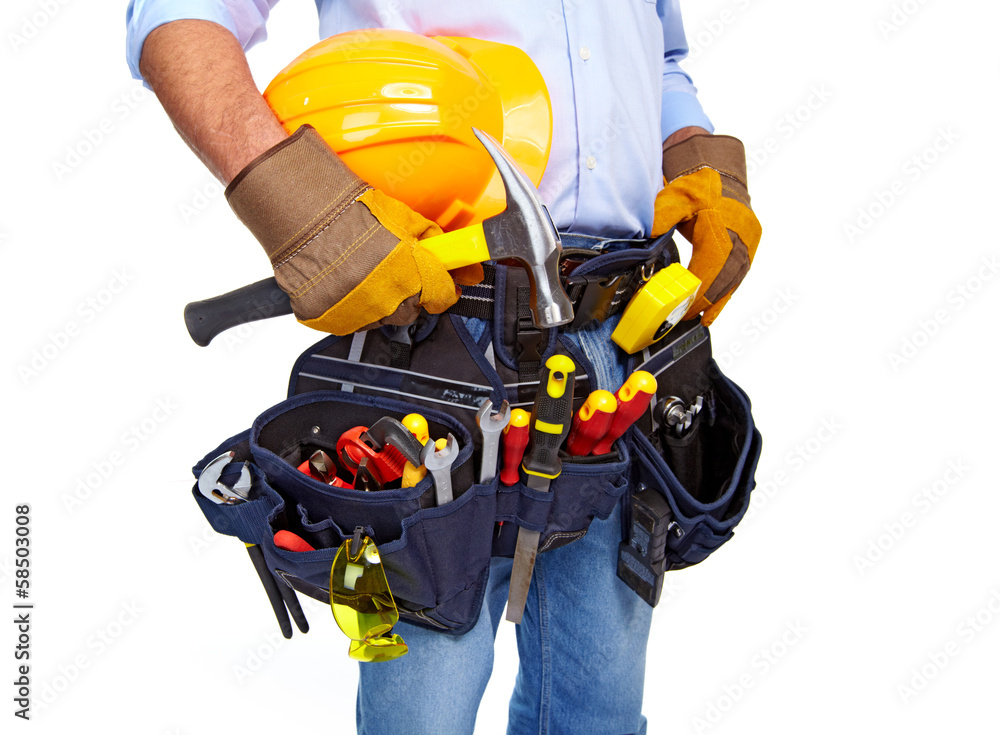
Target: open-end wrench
(438, 462)
(280, 595)
(491, 425)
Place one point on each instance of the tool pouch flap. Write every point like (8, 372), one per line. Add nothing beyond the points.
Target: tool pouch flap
(433, 364)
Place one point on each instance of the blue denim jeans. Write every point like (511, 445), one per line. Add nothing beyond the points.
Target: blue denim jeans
(581, 643)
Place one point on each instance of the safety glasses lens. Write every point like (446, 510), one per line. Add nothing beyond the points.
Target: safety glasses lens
(378, 649)
(359, 592)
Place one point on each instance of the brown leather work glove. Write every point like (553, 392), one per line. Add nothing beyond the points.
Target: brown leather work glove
(706, 198)
(345, 253)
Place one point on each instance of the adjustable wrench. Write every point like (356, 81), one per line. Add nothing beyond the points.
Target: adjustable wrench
(438, 462)
(491, 425)
(219, 492)
(280, 595)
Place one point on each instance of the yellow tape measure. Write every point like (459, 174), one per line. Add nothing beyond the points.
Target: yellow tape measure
(656, 308)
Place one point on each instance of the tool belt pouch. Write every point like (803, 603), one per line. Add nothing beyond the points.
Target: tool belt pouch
(706, 470)
(432, 584)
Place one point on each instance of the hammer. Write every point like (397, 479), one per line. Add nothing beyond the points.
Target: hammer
(523, 232)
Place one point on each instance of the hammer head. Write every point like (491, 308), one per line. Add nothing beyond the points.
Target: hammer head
(524, 231)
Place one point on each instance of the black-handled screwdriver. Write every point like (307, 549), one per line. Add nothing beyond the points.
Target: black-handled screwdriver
(551, 417)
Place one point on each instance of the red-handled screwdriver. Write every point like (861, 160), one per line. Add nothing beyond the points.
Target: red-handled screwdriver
(591, 422)
(515, 439)
(633, 398)
(291, 542)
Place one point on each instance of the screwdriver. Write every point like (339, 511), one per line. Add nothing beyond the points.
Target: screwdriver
(591, 422)
(515, 439)
(551, 417)
(633, 398)
(291, 542)
(417, 425)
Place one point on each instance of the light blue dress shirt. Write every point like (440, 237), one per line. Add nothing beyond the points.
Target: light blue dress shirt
(605, 63)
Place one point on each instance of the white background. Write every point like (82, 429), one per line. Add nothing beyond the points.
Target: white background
(866, 554)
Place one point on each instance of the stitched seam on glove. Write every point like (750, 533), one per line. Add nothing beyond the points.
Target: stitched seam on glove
(739, 193)
(734, 269)
(341, 202)
(388, 222)
(312, 282)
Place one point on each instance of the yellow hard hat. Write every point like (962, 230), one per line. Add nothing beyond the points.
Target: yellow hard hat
(399, 108)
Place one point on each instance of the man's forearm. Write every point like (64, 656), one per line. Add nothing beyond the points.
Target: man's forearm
(199, 73)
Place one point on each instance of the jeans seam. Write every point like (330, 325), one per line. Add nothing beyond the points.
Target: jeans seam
(543, 644)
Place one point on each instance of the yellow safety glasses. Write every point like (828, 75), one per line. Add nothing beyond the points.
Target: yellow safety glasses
(362, 603)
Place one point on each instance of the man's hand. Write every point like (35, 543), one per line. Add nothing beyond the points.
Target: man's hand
(706, 198)
(345, 253)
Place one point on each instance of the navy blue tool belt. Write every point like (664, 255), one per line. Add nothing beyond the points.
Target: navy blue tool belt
(437, 559)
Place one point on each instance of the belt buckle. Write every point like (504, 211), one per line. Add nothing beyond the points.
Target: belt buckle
(593, 296)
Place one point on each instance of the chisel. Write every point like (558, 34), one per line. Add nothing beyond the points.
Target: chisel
(551, 416)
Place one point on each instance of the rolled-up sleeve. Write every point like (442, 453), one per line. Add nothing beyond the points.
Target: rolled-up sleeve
(680, 106)
(245, 19)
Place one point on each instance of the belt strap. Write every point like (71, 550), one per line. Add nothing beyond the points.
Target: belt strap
(594, 298)
(477, 301)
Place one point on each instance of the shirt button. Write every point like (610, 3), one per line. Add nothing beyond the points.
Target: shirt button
(584, 53)
(591, 163)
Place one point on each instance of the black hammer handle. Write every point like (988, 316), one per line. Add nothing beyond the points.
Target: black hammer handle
(260, 300)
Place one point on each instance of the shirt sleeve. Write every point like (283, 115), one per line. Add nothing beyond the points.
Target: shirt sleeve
(680, 106)
(245, 19)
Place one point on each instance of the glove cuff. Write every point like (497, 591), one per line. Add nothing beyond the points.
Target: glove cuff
(292, 192)
(721, 153)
